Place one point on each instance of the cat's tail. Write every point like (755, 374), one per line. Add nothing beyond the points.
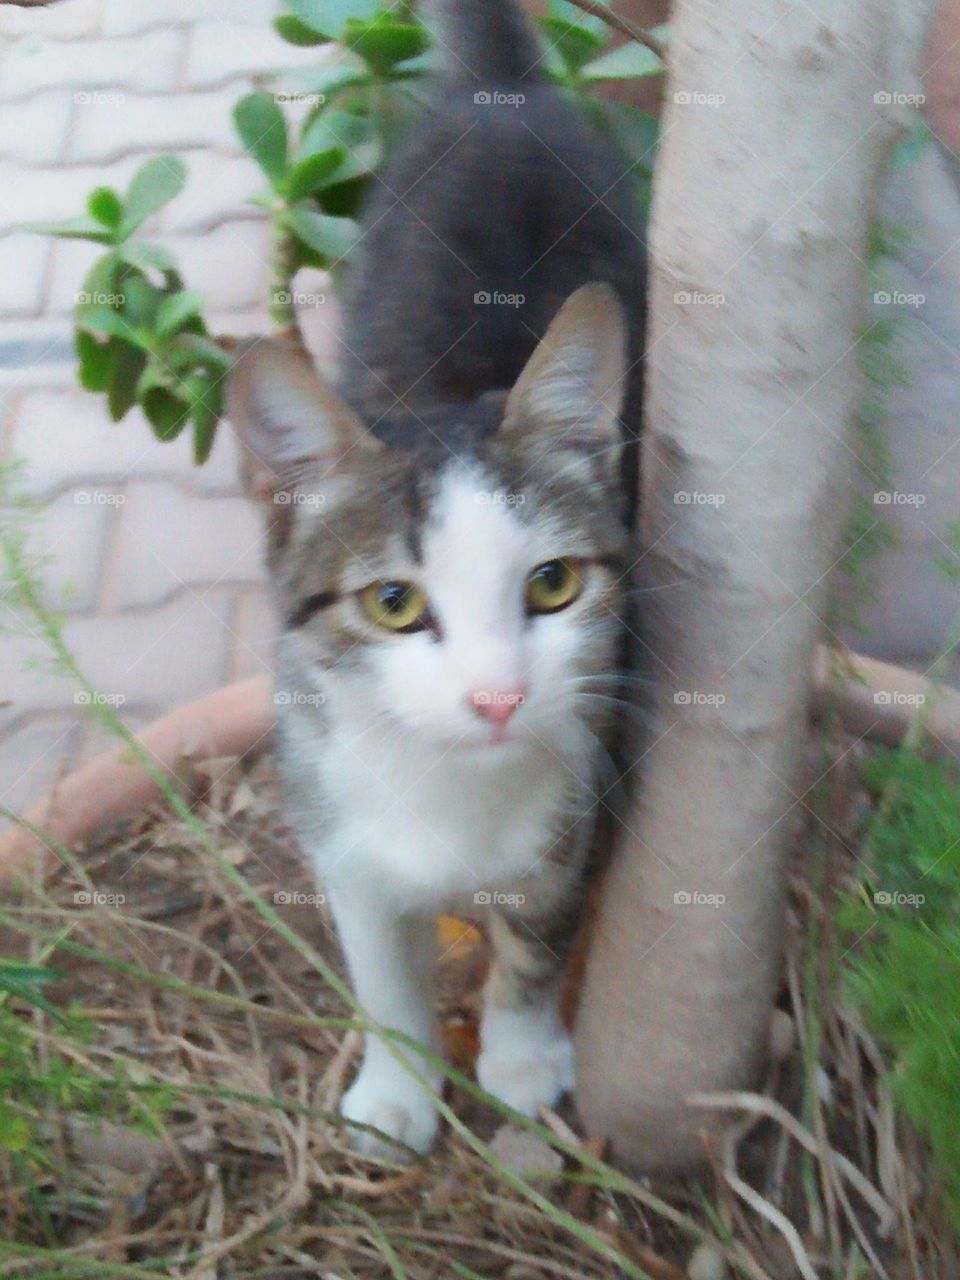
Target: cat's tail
(487, 42)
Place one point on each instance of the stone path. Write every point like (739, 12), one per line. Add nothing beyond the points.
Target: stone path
(155, 562)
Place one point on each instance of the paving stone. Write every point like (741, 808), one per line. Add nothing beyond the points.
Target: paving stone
(254, 636)
(167, 122)
(34, 194)
(35, 129)
(92, 68)
(23, 265)
(69, 20)
(219, 51)
(67, 440)
(167, 539)
(33, 756)
(218, 188)
(153, 657)
(229, 265)
(72, 536)
(123, 17)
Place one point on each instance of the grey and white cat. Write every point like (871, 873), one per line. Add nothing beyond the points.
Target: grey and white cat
(447, 547)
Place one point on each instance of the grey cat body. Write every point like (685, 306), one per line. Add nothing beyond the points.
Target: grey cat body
(470, 470)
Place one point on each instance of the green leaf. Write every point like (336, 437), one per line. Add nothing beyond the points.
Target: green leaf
(348, 70)
(311, 173)
(141, 301)
(126, 366)
(166, 412)
(354, 133)
(81, 228)
(193, 351)
(153, 185)
(25, 975)
(329, 17)
(104, 205)
(146, 255)
(206, 396)
(263, 132)
(332, 238)
(95, 318)
(384, 42)
(296, 32)
(94, 361)
(575, 44)
(629, 62)
(175, 310)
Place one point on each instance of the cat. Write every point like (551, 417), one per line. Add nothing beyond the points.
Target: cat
(447, 545)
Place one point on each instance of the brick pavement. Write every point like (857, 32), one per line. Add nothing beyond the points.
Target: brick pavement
(154, 562)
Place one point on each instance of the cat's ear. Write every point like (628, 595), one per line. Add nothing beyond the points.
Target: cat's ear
(292, 425)
(567, 401)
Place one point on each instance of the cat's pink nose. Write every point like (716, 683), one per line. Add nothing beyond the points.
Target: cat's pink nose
(496, 705)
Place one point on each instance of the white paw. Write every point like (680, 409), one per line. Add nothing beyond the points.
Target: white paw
(397, 1106)
(527, 1080)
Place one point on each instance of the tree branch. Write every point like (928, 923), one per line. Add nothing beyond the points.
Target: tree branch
(597, 10)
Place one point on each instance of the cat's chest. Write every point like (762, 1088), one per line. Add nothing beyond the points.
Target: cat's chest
(433, 830)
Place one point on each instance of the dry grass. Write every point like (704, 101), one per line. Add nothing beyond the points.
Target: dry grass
(249, 1176)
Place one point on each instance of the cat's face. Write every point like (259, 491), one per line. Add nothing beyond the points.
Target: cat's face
(459, 585)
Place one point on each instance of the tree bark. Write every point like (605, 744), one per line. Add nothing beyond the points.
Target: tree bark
(761, 213)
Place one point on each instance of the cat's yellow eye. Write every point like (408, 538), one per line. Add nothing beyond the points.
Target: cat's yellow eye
(396, 606)
(553, 586)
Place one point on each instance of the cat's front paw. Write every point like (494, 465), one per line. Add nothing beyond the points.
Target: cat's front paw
(527, 1080)
(397, 1106)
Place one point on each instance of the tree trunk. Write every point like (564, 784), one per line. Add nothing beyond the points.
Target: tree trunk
(773, 147)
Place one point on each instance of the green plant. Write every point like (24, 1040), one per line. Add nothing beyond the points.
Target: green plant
(140, 334)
